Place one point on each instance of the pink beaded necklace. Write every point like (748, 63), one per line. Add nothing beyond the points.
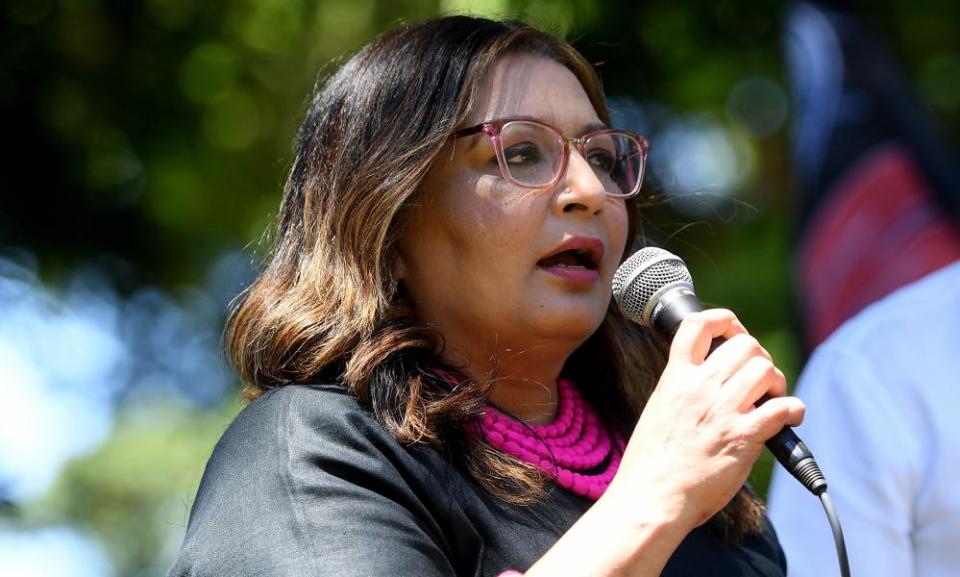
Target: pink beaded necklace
(575, 442)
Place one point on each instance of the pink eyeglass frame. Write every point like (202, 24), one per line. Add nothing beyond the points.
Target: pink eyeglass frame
(492, 129)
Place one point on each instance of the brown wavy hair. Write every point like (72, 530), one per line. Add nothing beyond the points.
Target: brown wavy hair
(327, 306)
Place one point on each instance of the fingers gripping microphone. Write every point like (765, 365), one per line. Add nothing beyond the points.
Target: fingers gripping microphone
(654, 288)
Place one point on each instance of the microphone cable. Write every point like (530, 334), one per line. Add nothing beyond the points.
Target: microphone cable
(837, 533)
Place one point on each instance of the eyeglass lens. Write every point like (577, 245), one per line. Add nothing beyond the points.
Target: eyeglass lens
(533, 154)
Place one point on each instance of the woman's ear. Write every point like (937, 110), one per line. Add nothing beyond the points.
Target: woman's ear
(399, 269)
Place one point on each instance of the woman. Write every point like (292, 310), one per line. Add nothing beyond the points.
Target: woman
(441, 387)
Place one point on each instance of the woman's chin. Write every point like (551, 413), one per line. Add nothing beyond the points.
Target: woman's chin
(571, 323)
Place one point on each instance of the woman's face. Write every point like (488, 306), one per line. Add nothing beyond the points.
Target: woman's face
(484, 260)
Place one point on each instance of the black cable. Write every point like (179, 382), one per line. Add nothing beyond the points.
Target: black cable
(837, 534)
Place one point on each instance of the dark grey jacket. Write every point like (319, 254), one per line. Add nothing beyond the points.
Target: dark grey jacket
(305, 483)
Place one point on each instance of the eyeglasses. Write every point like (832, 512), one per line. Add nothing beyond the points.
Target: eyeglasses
(533, 154)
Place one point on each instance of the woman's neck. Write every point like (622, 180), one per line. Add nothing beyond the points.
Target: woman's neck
(524, 381)
(527, 400)
(525, 384)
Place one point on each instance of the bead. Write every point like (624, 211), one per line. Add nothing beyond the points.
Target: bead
(579, 485)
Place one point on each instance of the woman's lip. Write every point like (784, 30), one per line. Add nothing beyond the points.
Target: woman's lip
(575, 274)
(594, 245)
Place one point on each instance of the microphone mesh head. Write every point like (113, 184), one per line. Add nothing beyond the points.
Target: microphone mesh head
(641, 276)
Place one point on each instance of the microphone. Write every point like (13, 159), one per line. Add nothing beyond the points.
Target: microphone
(654, 288)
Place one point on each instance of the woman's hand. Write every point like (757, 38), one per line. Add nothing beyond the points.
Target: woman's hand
(700, 432)
(689, 454)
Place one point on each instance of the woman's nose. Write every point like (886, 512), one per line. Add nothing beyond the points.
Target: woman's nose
(583, 191)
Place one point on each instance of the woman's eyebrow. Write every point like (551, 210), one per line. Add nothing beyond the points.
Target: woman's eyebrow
(473, 139)
(593, 127)
(589, 127)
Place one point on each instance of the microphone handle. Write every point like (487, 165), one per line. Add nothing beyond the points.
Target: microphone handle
(786, 446)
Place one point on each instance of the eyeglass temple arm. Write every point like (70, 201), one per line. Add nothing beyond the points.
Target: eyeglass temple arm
(470, 130)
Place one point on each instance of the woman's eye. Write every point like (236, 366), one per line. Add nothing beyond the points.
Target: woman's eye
(601, 160)
(522, 154)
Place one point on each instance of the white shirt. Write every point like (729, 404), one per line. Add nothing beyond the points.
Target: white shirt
(883, 421)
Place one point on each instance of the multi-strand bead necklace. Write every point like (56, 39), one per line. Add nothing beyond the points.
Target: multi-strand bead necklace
(576, 449)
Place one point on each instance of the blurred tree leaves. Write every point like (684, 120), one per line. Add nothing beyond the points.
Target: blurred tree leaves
(135, 492)
(161, 128)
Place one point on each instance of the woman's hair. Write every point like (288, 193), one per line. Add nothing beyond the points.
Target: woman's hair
(327, 305)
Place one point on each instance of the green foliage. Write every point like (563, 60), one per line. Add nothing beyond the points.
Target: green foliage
(135, 491)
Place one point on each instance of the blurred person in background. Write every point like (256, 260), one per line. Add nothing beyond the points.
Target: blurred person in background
(882, 392)
(879, 204)
(439, 385)
(878, 189)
